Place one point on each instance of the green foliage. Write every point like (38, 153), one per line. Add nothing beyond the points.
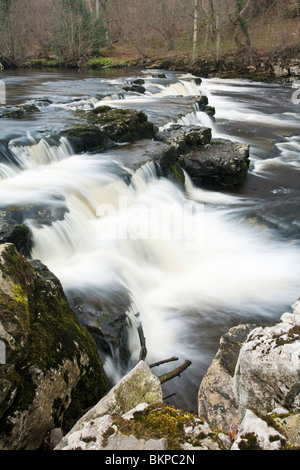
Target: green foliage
(78, 34)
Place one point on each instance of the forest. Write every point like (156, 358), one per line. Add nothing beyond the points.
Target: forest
(76, 32)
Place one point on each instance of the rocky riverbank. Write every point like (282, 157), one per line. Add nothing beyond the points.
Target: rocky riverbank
(258, 67)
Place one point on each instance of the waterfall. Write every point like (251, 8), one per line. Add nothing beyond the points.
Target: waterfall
(191, 262)
(171, 251)
(40, 152)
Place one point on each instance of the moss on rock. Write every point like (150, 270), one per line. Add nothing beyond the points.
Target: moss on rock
(47, 345)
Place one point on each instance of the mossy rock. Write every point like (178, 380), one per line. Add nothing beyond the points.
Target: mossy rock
(53, 371)
(122, 125)
(18, 112)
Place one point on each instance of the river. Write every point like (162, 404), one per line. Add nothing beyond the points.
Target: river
(191, 263)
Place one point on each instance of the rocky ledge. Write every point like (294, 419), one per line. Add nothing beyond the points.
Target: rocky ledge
(248, 400)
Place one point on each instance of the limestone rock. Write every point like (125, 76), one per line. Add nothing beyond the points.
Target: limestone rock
(133, 417)
(256, 434)
(52, 368)
(216, 400)
(268, 369)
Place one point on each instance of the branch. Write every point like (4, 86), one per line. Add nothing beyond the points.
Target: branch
(175, 373)
(157, 364)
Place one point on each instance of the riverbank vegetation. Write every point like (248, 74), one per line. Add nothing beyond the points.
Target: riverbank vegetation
(105, 33)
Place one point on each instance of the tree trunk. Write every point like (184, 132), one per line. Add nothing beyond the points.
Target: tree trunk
(195, 40)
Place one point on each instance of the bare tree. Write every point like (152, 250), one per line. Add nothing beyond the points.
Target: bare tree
(196, 26)
(78, 34)
(39, 19)
(15, 43)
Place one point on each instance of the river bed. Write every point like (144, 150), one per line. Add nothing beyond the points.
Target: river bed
(191, 263)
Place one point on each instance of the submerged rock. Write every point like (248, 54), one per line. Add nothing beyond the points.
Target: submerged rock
(52, 369)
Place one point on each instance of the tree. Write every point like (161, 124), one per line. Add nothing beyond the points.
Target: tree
(39, 18)
(196, 25)
(78, 33)
(241, 26)
(15, 41)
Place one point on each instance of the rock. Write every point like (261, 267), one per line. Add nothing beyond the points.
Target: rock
(107, 321)
(290, 426)
(255, 433)
(18, 234)
(268, 370)
(121, 125)
(18, 112)
(55, 437)
(221, 162)
(185, 139)
(280, 71)
(52, 370)
(135, 89)
(87, 138)
(216, 400)
(133, 417)
(162, 155)
(105, 127)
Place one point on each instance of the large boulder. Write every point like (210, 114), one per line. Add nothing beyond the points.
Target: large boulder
(52, 371)
(268, 370)
(216, 399)
(220, 162)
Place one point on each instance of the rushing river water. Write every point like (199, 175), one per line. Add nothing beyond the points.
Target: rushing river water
(192, 264)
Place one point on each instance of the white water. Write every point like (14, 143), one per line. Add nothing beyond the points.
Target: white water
(182, 262)
(192, 263)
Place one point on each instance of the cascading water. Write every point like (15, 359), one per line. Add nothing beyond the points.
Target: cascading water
(190, 263)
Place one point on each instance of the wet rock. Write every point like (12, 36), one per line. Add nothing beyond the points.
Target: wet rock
(19, 235)
(87, 138)
(122, 125)
(18, 112)
(135, 89)
(185, 139)
(162, 155)
(221, 162)
(104, 127)
(107, 321)
(52, 370)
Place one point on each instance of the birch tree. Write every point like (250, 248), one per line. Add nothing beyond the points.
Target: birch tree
(196, 26)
